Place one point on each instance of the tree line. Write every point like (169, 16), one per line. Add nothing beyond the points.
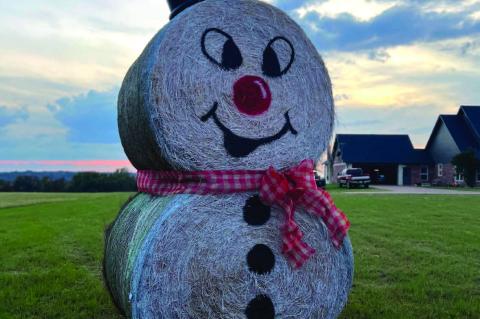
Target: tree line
(119, 181)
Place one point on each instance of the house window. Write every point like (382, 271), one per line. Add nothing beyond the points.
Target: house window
(424, 173)
(440, 170)
(458, 176)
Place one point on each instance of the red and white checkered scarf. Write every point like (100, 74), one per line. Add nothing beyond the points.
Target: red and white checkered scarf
(287, 189)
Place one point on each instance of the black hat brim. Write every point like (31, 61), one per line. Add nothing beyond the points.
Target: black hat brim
(182, 6)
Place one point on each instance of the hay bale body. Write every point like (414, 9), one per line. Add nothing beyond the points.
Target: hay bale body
(185, 257)
(189, 256)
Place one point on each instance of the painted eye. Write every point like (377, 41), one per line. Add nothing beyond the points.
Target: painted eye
(278, 57)
(219, 47)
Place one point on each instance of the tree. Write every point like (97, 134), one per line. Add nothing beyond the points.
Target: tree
(119, 181)
(53, 185)
(5, 186)
(122, 180)
(87, 182)
(26, 184)
(467, 164)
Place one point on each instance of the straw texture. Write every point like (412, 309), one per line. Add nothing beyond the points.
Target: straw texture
(192, 261)
(174, 84)
(123, 242)
(194, 256)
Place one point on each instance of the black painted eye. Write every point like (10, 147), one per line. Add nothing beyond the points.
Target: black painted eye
(278, 57)
(219, 47)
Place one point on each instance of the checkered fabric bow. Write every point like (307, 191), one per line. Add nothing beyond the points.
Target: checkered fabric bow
(287, 189)
(296, 187)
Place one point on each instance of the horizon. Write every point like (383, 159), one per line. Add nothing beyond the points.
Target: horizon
(395, 65)
(103, 166)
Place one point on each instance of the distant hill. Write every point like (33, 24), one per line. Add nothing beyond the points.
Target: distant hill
(10, 176)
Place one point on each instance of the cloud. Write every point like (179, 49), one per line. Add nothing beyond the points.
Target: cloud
(16, 90)
(469, 47)
(341, 97)
(90, 118)
(399, 25)
(48, 44)
(9, 116)
(422, 74)
(76, 127)
(379, 55)
(414, 120)
(362, 10)
(291, 5)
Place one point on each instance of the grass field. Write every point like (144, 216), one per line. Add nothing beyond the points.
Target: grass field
(463, 189)
(334, 188)
(416, 256)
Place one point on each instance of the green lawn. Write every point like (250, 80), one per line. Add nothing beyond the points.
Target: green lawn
(416, 256)
(26, 199)
(334, 188)
(463, 189)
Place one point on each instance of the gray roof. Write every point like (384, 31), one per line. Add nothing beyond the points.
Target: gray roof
(472, 117)
(464, 127)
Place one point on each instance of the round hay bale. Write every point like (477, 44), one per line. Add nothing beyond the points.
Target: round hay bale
(185, 71)
(190, 256)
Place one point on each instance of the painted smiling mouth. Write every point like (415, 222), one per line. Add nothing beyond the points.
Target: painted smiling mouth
(238, 146)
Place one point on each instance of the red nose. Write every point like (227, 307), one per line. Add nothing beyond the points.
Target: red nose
(252, 95)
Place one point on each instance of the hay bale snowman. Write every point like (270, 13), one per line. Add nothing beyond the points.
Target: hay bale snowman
(223, 115)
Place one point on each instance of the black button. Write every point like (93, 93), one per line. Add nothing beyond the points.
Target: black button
(260, 308)
(255, 212)
(260, 259)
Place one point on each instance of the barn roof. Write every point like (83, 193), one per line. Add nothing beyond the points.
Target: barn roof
(379, 149)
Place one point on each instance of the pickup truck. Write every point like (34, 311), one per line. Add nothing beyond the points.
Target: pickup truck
(353, 177)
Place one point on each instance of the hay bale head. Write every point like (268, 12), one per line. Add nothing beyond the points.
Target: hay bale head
(227, 84)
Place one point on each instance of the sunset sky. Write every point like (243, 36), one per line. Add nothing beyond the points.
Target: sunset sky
(395, 65)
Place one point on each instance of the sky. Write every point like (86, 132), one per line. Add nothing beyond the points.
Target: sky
(395, 66)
